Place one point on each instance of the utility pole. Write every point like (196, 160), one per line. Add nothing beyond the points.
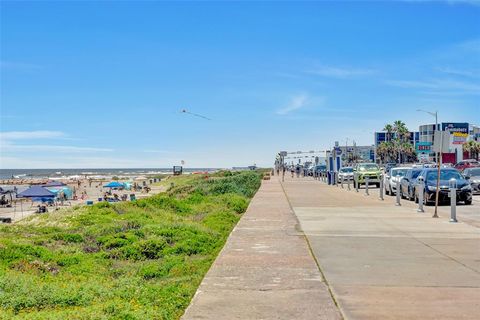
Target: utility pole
(346, 150)
(355, 151)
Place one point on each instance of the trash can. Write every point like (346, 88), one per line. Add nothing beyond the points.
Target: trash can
(132, 197)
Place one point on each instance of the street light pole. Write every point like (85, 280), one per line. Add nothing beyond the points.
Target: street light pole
(439, 160)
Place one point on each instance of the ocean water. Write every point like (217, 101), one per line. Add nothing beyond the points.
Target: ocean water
(65, 173)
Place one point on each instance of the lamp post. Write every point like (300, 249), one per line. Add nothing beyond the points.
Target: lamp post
(439, 159)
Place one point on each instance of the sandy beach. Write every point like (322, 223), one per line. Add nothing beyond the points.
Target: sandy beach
(84, 191)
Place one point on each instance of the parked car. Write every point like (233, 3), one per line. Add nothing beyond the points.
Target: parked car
(345, 174)
(468, 163)
(391, 178)
(464, 190)
(321, 168)
(407, 184)
(311, 170)
(370, 170)
(389, 166)
(473, 175)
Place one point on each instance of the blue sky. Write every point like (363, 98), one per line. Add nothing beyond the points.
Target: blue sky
(101, 84)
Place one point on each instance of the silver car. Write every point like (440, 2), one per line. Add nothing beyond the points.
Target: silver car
(473, 175)
(391, 178)
(345, 174)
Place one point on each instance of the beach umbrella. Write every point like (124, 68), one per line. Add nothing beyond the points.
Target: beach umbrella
(36, 192)
(54, 184)
(114, 184)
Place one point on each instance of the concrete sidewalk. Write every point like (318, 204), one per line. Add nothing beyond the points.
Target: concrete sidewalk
(265, 270)
(388, 262)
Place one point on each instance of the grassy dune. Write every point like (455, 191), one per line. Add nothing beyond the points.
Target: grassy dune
(133, 260)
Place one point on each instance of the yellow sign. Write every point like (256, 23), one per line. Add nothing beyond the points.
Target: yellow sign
(460, 134)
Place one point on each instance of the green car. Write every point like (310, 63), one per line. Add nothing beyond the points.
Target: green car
(370, 170)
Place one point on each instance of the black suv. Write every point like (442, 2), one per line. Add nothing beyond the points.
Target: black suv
(464, 190)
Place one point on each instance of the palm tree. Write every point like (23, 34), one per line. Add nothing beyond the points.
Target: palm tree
(402, 135)
(389, 129)
(473, 149)
(386, 151)
(397, 142)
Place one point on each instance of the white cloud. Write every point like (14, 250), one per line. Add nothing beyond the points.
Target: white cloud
(339, 72)
(445, 85)
(19, 65)
(26, 135)
(156, 151)
(460, 72)
(51, 148)
(297, 102)
(450, 2)
(14, 154)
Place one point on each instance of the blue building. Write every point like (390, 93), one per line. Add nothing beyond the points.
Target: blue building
(382, 136)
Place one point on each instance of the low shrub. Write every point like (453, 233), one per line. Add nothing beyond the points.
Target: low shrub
(132, 260)
(68, 237)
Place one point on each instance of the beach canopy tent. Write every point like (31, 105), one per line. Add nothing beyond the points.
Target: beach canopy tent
(114, 184)
(43, 199)
(66, 190)
(36, 192)
(54, 184)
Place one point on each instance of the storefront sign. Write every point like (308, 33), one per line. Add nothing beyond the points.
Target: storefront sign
(423, 147)
(459, 138)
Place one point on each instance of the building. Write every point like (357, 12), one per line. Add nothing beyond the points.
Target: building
(475, 132)
(363, 153)
(424, 147)
(303, 157)
(382, 136)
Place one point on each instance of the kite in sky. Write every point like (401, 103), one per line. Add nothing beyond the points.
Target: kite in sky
(194, 114)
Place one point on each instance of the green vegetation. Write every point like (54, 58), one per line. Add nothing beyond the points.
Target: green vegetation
(132, 260)
(397, 147)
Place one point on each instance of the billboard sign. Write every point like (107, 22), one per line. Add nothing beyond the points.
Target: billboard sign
(457, 130)
(452, 127)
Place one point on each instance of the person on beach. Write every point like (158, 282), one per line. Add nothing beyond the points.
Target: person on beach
(292, 170)
(297, 171)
